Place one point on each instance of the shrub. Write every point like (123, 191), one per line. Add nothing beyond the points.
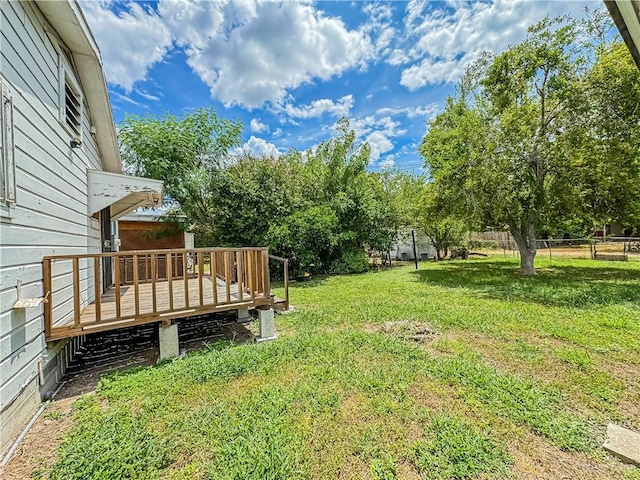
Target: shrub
(351, 261)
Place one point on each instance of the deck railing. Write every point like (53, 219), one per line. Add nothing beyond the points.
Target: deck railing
(148, 286)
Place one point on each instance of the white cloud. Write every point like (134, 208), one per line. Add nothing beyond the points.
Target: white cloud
(379, 28)
(126, 99)
(411, 112)
(365, 125)
(259, 147)
(253, 52)
(317, 108)
(249, 52)
(258, 127)
(378, 132)
(430, 71)
(277, 132)
(442, 38)
(379, 143)
(130, 41)
(147, 96)
(387, 163)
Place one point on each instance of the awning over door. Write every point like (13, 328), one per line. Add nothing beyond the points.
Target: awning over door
(122, 193)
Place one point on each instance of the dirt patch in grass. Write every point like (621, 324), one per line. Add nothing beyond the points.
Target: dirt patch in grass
(407, 471)
(37, 452)
(353, 468)
(535, 459)
(418, 332)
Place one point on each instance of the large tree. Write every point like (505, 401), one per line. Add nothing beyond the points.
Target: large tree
(507, 146)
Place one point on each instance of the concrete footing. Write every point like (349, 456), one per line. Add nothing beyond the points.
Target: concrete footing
(243, 315)
(267, 325)
(168, 340)
(623, 443)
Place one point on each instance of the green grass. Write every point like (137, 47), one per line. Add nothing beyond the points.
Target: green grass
(514, 367)
(455, 449)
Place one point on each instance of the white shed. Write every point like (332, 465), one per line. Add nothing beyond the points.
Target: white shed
(403, 248)
(61, 186)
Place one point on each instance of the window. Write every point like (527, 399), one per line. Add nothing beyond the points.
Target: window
(70, 99)
(7, 154)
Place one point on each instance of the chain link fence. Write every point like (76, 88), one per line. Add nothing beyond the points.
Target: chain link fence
(596, 248)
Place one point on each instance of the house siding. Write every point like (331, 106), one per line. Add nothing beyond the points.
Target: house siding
(50, 216)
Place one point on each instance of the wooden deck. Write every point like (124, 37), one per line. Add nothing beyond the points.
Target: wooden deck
(153, 286)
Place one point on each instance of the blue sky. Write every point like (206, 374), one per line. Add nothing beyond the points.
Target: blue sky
(288, 70)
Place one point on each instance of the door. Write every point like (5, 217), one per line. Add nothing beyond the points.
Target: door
(105, 240)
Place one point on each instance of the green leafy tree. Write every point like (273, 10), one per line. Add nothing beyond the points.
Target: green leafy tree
(187, 153)
(521, 145)
(605, 146)
(444, 229)
(254, 193)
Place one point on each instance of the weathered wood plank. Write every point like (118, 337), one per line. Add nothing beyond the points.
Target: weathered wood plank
(185, 274)
(96, 287)
(136, 284)
(200, 277)
(76, 291)
(116, 282)
(48, 307)
(154, 279)
(227, 277)
(170, 280)
(240, 274)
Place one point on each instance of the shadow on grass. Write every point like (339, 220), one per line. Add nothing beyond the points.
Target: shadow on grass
(315, 281)
(555, 285)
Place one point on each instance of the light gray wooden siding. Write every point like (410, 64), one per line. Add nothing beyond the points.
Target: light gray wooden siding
(50, 216)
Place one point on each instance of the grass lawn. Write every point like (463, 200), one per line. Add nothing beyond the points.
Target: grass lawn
(459, 370)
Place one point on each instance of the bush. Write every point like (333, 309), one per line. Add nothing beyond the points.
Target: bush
(351, 261)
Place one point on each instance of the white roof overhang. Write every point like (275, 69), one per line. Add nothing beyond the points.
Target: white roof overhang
(122, 193)
(626, 15)
(68, 21)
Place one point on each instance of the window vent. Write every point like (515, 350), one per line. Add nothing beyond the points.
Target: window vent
(72, 108)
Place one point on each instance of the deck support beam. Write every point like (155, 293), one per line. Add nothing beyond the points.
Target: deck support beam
(267, 325)
(243, 314)
(168, 340)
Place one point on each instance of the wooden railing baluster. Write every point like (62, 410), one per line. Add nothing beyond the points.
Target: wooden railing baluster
(48, 306)
(76, 291)
(200, 258)
(136, 285)
(265, 273)
(213, 265)
(116, 280)
(185, 273)
(170, 280)
(239, 274)
(227, 279)
(154, 276)
(96, 287)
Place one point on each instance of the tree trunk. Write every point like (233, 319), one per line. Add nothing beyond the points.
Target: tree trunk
(526, 242)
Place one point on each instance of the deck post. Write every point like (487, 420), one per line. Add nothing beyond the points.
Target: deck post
(267, 325)
(243, 314)
(168, 340)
